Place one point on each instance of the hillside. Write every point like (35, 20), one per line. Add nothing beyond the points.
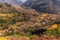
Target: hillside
(20, 22)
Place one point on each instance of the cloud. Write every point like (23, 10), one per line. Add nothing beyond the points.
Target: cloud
(23, 0)
(58, 0)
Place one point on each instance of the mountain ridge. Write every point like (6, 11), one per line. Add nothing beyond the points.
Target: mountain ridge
(14, 2)
(44, 5)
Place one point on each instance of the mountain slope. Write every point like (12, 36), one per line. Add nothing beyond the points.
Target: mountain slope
(44, 5)
(25, 21)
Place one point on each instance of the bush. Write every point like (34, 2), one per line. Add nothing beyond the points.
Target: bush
(54, 32)
(3, 26)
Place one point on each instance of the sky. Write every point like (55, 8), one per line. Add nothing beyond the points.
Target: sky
(23, 0)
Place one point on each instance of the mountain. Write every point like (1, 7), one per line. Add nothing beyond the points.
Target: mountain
(44, 5)
(15, 2)
(25, 21)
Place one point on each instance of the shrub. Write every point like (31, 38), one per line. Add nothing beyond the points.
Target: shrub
(54, 32)
(3, 26)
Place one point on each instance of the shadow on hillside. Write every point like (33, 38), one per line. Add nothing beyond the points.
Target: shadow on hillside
(38, 32)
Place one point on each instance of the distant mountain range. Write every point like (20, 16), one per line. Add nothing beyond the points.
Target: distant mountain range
(16, 2)
(44, 5)
(39, 5)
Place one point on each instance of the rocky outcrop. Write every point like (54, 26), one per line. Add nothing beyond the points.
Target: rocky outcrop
(44, 5)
